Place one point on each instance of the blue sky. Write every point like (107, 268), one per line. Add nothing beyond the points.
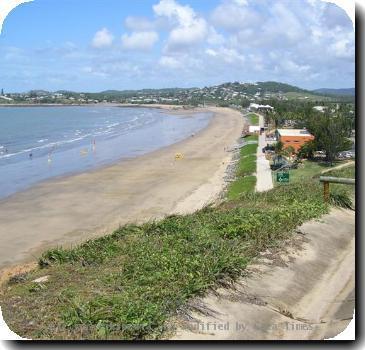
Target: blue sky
(94, 45)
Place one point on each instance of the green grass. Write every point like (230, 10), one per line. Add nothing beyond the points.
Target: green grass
(246, 167)
(306, 170)
(251, 138)
(253, 119)
(310, 169)
(242, 185)
(341, 195)
(348, 172)
(248, 150)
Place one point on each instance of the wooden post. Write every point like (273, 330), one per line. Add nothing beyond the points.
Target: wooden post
(336, 180)
(326, 191)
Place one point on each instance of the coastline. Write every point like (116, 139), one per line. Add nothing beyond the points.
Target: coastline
(71, 209)
(108, 104)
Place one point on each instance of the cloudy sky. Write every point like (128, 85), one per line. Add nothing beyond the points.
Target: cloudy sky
(96, 45)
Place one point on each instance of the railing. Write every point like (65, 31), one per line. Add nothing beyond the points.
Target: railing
(336, 180)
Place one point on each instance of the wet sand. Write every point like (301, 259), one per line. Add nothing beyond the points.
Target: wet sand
(69, 210)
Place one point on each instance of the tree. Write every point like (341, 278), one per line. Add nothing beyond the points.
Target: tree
(307, 150)
(279, 147)
(290, 150)
(245, 103)
(331, 133)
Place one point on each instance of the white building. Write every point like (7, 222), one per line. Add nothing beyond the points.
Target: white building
(257, 107)
(320, 108)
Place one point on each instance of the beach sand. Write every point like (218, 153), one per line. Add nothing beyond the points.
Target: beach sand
(71, 209)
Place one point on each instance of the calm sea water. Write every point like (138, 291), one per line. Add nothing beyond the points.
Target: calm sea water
(38, 143)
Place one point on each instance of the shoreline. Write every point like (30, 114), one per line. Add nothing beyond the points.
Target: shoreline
(71, 209)
(119, 105)
(171, 111)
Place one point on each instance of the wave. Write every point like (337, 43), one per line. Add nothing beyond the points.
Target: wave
(110, 130)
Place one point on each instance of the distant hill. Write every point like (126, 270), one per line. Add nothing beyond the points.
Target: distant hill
(222, 92)
(275, 87)
(338, 92)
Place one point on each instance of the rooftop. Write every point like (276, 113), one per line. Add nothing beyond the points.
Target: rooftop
(294, 132)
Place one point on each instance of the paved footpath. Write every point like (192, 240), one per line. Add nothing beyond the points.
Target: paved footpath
(263, 172)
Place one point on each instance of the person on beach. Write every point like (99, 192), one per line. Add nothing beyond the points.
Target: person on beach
(30, 155)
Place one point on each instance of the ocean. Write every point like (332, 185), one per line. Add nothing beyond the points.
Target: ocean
(38, 143)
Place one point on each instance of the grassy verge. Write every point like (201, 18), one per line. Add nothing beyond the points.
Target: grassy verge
(341, 195)
(246, 180)
(242, 185)
(253, 118)
(311, 169)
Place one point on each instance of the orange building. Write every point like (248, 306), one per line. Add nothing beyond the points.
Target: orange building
(294, 137)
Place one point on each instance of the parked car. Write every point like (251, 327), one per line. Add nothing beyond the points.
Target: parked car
(346, 155)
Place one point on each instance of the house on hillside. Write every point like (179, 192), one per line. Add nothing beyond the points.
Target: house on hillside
(260, 108)
(6, 98)
(294, 137)
(320, 108)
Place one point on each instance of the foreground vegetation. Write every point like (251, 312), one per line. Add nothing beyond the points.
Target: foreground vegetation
(128, 284)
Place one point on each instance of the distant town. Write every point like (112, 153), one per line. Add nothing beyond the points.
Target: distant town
(227, 94)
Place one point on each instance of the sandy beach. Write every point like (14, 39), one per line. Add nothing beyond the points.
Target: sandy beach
(69, 210)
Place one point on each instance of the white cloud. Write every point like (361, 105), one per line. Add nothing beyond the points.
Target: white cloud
(211, 52)
(103, 38)
(343, 48)
(188, 28)
(140, 41)
(139, 24)
(184, 15)
(184, 36)
(169, 62)
(214, 38)
(234, 15)
(295, 68)
(227, 55)
(241, 2)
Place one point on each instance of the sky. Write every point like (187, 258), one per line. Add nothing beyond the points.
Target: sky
(96, 45)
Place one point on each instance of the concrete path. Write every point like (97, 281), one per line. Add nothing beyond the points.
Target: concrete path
(305, 292)
(263, 172)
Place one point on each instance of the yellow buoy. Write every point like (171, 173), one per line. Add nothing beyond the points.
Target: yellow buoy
(179, 156)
